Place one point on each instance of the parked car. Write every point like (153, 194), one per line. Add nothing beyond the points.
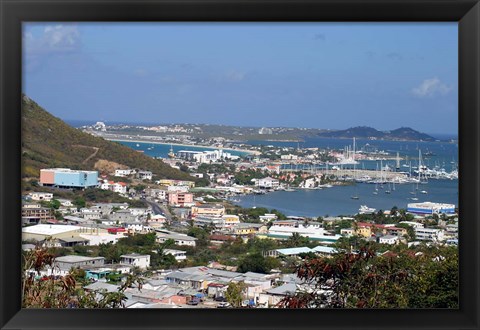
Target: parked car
(223, 304)
(220, 298)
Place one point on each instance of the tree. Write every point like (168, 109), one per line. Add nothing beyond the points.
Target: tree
(234, 293)
(254, 263)
(404, 279)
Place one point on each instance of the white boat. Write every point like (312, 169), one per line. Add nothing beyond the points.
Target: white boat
(364, 209)
(424, 192)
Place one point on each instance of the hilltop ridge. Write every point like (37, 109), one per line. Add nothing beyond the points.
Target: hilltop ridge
(47, 141)
(365, 132)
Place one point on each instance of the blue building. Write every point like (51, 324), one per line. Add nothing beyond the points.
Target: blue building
(430, 208)
(67, 178)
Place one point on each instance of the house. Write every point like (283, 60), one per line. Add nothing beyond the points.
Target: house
(138, 260)
(429, 234)
(388, 239)
(247, 229)
(121, 216)
(347, 232)
(34, 213)
(144, 175)
(41, 196)
(273, 296)
(73, 261)
(178, 254)
(396, 231)
(268, 217)
(179, 239)
(230, 220)
(123, 173)
(160, 194)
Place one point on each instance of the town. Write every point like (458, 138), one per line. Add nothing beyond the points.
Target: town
(191, 246)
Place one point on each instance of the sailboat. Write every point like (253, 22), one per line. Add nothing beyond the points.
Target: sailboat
(171, 154)
(388, 191)
(354, 173)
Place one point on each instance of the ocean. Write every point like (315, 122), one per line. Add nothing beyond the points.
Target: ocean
(162, 150)
(336, 201)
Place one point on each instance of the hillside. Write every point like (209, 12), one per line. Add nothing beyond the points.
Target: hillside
(364, 132)
(47, 141)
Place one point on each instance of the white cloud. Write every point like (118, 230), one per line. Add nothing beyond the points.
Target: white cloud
(431, 87)
(58, 38)
(61, 36)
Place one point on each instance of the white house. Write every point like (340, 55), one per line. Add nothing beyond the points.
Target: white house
(123, 173)
(180, 239)
(145, 175)
(178, 254)
(41, 196)
(119, 187)
(388, 239)
(429, 234)
(139, 260)
(268, 182)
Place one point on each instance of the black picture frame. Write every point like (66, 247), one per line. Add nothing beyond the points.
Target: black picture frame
(465, 12)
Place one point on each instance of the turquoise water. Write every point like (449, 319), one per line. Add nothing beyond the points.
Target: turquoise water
(162, 150)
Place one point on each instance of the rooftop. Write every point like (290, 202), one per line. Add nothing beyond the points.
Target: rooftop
(43, 229)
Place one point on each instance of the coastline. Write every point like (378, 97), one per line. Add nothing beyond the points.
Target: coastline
(181, 145)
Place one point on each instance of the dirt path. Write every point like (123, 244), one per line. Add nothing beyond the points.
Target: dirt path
(89, 157)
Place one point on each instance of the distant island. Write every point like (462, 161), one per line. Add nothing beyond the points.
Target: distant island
(365, 132)
(243, 134)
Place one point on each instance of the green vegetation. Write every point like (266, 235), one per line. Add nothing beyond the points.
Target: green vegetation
(47, 142)
(422, 278)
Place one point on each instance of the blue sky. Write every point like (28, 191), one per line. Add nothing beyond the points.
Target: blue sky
(316, 75)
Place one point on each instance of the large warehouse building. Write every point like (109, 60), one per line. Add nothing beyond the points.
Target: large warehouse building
(67, 178)
(430, 208)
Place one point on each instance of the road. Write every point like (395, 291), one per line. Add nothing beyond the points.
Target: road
(160, 209)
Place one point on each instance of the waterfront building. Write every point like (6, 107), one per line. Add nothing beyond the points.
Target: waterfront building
(205, 156)
(67, 178)
(430, 208)
(268, 183)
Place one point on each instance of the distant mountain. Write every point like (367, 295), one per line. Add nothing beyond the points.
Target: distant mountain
(47, 142)
(365, 132)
